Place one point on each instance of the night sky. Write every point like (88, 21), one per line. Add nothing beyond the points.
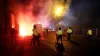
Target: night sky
(87, 12)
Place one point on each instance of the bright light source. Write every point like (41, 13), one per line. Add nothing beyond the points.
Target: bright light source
(58, 10)
(25, 31)
(22, 31)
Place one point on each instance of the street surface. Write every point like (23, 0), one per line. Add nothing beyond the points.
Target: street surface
(77, 46)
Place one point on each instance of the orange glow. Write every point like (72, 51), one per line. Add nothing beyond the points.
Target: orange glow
(12, 20)
(26, 22)
(25, 30)
(26, 18)
(22, 32)
(25, 26)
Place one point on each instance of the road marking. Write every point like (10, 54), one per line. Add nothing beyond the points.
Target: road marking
(53, 47)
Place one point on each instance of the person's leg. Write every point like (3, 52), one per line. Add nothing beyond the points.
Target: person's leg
(38, 41)
(61, 38)
(57, 38)
(34, 40)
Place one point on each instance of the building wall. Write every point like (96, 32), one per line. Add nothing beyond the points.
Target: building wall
(2, 19)
(5, 24)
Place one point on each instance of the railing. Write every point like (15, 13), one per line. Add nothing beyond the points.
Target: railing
(96, 31)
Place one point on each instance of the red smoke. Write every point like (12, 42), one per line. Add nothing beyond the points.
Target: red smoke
(32, 14)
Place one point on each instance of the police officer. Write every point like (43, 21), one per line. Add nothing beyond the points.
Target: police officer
(59, 35)
(89, 33)
(36, 36)
(69, 31)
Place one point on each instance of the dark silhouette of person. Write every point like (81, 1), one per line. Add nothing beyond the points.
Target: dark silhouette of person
(36, 36)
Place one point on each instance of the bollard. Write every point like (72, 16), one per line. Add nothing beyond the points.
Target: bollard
(96, 31)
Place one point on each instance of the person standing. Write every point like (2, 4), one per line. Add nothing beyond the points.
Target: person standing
(59, 34)
(36, 36)
(89, 33)
(69, 31)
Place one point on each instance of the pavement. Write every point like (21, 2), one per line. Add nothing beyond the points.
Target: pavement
(77, 46)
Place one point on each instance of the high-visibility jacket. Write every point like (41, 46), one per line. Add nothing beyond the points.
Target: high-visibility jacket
(35, 32)
(69, 31)
(89, 32)
(59, 32)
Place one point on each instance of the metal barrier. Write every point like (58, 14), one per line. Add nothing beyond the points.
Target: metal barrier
(96, 31)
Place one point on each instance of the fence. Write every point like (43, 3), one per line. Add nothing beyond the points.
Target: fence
(96, 31)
